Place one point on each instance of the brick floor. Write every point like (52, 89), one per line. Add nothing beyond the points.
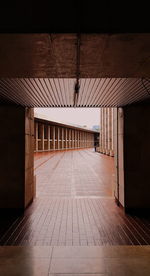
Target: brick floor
(74, 205)
(75, 260)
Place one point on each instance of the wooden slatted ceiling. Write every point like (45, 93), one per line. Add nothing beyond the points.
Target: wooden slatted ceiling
(59, 92)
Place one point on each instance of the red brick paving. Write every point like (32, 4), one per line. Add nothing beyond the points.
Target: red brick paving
(74, 205)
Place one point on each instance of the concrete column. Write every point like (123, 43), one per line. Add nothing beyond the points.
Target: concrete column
(81, 140)
(58, 137)
(78, 141)
(136, 157)
(66, 138)
(48, 137)
(87, 139)
(74, 138)
(109, 127)
(36, 136)
(16, 162)
(84, 139)
(77, 138)
(119, 155)
(73, 133)
(42, 129)
(62, 138)
(107, 130)
(103, 131)
(91, 140)
(100, 137)
(69, 138)
(53, 138)
(112, 133)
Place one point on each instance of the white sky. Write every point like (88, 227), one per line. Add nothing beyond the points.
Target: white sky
(79, 116)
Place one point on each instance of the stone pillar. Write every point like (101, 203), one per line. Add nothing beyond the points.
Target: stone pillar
(16, 162)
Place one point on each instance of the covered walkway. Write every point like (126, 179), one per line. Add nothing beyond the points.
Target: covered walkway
(74, 205)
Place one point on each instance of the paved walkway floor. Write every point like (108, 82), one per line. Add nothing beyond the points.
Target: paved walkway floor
(75, 261)
(74, 205)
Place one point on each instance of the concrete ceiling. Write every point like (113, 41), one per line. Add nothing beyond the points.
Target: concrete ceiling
(54, 55)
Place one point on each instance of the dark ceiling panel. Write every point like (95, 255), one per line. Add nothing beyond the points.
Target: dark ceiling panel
(55, 56)
(70, 16)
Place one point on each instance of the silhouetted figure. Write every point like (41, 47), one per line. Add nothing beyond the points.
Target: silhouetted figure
(95, 144)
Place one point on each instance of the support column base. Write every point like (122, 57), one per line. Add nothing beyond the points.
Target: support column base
(107, 152)
(111, 153)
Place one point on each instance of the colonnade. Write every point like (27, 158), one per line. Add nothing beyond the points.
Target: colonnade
(54, 137)
(106, 131)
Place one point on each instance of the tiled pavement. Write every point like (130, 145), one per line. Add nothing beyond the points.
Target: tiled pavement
(75, 261)
(74, 205)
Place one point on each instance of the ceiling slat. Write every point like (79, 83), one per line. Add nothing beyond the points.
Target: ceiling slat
(45, 92)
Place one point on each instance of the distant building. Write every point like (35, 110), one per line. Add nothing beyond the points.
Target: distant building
(53, 135)
(96, 127)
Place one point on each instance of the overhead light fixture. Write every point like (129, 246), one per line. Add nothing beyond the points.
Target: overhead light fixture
(77, 85)
(76, 92)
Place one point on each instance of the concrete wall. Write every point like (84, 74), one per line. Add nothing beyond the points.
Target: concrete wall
(16, 157)
(137, 156)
